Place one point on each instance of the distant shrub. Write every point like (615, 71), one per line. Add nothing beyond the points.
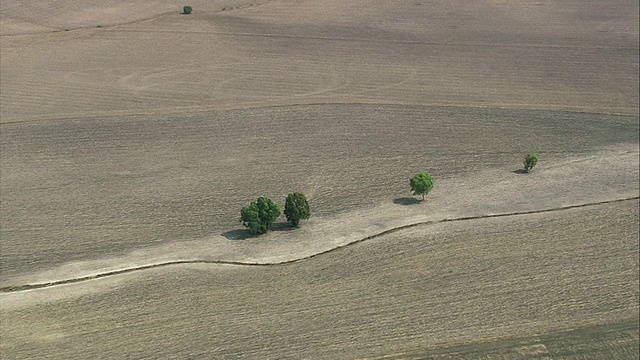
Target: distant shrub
(187, 9)
(530, 161)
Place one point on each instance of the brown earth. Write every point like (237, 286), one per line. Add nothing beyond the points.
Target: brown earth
(576, 56)
(19, 17)
(135, 144)
(418, 291)
(87, 190)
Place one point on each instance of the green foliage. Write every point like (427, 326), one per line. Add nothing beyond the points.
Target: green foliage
(260, 215)
(421, 184)
(296, 207)
(530, 161)
(187, 9)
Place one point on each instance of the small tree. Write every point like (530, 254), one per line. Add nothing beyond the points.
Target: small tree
(260, 215)
(296, 207)
(421, 184)
(530, 161)
(187, 9)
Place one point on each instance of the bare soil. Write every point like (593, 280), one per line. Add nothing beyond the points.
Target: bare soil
(574, 56)
(421, 290)
(88, 189)
(19, 17)
(135, 137)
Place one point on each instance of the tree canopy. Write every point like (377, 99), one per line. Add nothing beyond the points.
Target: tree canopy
(421, 184)
(260, 215)
(296, 208)
(530, 161)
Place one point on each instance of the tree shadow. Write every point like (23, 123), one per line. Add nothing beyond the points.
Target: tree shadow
(238, 234)
(282, 226)
(406, 201)
(520, 171)
(243, 234)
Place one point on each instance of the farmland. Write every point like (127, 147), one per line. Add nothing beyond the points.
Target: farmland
(131, 137)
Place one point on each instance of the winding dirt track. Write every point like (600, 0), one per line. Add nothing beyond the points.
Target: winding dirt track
(131, 146)
(24, 287)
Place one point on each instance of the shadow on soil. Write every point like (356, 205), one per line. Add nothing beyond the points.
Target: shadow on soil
(520, 171)
(243, 234)
(237, 234)
(282, 226)
(406, 201)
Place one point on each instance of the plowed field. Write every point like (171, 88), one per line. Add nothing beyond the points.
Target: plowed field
(131, 136)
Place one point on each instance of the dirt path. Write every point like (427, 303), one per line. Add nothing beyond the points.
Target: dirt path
(24, 287)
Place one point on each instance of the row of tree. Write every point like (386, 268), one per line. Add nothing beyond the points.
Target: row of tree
(260, 215)
(422, 183)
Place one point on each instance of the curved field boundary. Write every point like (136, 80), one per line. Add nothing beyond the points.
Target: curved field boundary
(25, 287)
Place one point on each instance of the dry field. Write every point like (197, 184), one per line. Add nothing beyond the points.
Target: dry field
(417, 292)
(576, 55)
(128, 149)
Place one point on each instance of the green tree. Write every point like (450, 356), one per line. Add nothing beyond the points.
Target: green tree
(187, 9)
(260, 215)
(530, 161)
(296, 208)
(421, 184)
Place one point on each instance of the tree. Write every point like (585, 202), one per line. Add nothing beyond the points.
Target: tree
(187, 9)
(421, 184)
(260, 215)
(530, 161)
(296, 208)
